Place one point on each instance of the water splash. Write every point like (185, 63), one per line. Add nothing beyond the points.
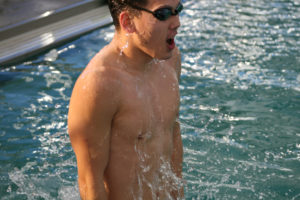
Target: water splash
(162, 182)
(123, 48)
(158, 62)
(51, 56)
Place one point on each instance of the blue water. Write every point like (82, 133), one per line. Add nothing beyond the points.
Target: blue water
(240, 106)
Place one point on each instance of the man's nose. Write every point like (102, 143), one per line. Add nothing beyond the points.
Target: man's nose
(175, 22)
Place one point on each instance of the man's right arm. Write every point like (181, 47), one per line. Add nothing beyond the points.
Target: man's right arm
(91, 111)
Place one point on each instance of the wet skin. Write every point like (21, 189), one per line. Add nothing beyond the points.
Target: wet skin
(142, 133)
(123, 120)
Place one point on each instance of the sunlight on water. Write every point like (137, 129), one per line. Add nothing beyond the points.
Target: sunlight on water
(239, 111)
(240, 62)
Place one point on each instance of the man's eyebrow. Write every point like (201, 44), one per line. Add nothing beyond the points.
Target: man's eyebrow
(166, 6)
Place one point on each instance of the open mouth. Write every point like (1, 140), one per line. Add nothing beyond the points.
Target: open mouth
(170, 41)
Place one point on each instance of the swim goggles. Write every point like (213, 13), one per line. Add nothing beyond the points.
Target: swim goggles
(162, 14)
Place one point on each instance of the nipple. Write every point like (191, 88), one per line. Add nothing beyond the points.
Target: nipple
(140, 136)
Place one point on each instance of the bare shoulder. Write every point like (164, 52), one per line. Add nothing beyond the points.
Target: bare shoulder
(98, 81)
(98, 77)
(175, 61)
(95, 96)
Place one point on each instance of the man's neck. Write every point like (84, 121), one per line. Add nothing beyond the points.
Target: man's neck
(133, 57)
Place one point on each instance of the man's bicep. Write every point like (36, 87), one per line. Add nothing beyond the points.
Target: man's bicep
(89, 123)
(91, 146)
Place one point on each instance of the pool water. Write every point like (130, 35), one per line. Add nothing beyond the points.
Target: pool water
(240, 106)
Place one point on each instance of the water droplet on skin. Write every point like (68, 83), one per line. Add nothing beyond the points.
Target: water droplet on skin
(146, 169)
(173, 86)
(123, 48)
(139, 92)
(158, 61)
(155, 61)
(148, 135)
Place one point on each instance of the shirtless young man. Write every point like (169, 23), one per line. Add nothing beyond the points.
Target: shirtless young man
(123, 116)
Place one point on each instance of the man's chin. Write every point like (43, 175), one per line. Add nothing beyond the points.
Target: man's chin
(165, 56)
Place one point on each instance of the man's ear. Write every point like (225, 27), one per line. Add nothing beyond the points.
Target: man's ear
(126, 22)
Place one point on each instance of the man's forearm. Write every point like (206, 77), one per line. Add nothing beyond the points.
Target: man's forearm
(177, 155)
(90, 191)
(177, 159)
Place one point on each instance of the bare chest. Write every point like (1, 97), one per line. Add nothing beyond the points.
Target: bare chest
(149, 107)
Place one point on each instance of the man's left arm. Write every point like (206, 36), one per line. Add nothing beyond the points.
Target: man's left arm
(177, 155)
(177, 158)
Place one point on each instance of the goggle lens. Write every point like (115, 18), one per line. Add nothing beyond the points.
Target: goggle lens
(164, 13)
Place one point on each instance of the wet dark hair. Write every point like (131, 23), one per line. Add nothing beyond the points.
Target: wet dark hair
(117, 6)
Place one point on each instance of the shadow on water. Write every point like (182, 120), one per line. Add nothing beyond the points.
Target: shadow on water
(13, 72)
(8, 76)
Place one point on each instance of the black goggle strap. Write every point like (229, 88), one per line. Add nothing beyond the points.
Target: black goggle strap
(178, 9)
(140, 8)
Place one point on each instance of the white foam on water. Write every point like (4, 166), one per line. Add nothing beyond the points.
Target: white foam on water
(69, 193)
(37, 181)
(51, 56)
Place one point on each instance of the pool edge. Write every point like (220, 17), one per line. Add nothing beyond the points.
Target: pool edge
(41, 33)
